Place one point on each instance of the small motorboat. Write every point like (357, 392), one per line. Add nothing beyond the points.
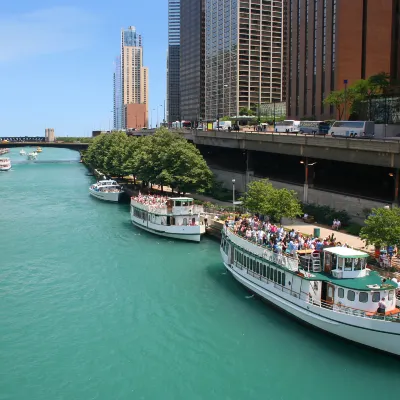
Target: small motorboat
(22, 152)
(39, 150)
(5, 164)
(32, 155)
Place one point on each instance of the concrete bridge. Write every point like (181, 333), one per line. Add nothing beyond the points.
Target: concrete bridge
(72, 146)
(382, 153)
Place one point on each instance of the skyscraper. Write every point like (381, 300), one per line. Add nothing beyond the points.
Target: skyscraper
(192, 60)
(118, 105)
(130, 78)
(243, 55)
(173, 61)
(333, 43)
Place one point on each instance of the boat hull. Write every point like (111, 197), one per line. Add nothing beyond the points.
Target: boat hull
(190, 233)
(5, 168)
(106, 196)
(378, 334)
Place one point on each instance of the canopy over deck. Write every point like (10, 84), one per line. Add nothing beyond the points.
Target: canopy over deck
(345, 252)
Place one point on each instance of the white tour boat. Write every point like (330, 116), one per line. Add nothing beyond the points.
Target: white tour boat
(107, 190)
(175, 217)
(333, 291)
(5, 164)
(22, 152)
(32, 155)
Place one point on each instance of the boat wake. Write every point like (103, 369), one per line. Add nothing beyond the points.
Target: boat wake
(249, 297)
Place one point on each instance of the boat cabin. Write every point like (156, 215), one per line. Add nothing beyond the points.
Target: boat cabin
(344, 263)
(180, 205)
(107, 183)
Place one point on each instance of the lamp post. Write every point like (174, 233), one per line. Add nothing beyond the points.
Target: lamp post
(223, 96)
(233, 194)
(345, 98)
(274, 115)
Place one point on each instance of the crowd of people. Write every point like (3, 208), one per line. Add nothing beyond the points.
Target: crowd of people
(275, 238)
(151, 200)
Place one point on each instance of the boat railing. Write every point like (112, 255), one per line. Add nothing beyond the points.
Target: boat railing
(287, 261)
(308, 298)
(339, 308)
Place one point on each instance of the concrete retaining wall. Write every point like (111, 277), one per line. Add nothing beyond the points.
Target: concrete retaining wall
(353, 205)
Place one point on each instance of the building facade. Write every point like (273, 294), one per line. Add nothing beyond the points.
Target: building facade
(244, 56)
(173, 61)
(135, 116)
(192, 65)
(131, 81)
(49, 135)
(118, 104)
(333, 43)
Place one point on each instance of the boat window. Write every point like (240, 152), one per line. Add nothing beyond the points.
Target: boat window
(341, 263)
(351, 295)
(257, 267)
(376, 296)
(275, 275)
(390, 296)
(185, 221)
(283, 279)
(358, 264)
(177, 203)
(279, 277)
(341, 293)
(264, 270)
(348, 264)
(363, 297)
(268, 271)
(271, 274)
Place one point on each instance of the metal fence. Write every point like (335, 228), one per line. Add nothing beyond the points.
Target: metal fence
(381, 110)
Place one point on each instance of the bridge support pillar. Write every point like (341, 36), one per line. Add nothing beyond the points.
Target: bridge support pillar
(305, 193)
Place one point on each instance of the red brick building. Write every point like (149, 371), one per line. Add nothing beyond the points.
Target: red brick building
(329, 42)
(136, 116)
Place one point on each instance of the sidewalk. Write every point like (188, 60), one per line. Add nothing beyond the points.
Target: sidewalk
(352, 241)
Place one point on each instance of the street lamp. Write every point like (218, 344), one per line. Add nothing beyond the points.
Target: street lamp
(345, 98)
(233, 195)
(158, 123)
(223, 96)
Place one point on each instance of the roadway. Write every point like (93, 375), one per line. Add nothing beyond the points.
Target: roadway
(377, 152)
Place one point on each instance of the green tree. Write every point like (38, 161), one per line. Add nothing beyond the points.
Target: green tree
(263, 198)
(340, 98)
(382, 227)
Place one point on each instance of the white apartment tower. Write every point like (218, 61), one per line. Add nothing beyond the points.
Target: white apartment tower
(244, 55)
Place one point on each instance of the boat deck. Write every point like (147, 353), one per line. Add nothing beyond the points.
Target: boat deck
(364, 283)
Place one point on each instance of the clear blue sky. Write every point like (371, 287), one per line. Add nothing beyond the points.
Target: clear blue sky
(56, 62)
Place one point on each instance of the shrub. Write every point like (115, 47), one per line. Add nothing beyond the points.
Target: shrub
(325, 214)
(354, 229)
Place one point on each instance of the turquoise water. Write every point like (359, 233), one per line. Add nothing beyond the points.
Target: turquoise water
(93, 308)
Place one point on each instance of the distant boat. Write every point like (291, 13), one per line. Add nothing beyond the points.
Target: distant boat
(5, 164)
(22, 152)
(106, 190)
(39, 150)
(32, 156)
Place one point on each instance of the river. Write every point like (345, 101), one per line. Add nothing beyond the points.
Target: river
(93, 308)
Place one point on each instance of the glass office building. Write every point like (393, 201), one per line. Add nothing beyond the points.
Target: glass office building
(173, 61)
(192, 60)
(118, 107)
(243, 55)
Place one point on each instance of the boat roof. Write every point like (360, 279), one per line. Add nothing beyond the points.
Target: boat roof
(371, 282)
(107, 181)
(180, 198)
(346, 252)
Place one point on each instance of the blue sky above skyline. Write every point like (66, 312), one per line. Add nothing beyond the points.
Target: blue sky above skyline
(56, 62)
